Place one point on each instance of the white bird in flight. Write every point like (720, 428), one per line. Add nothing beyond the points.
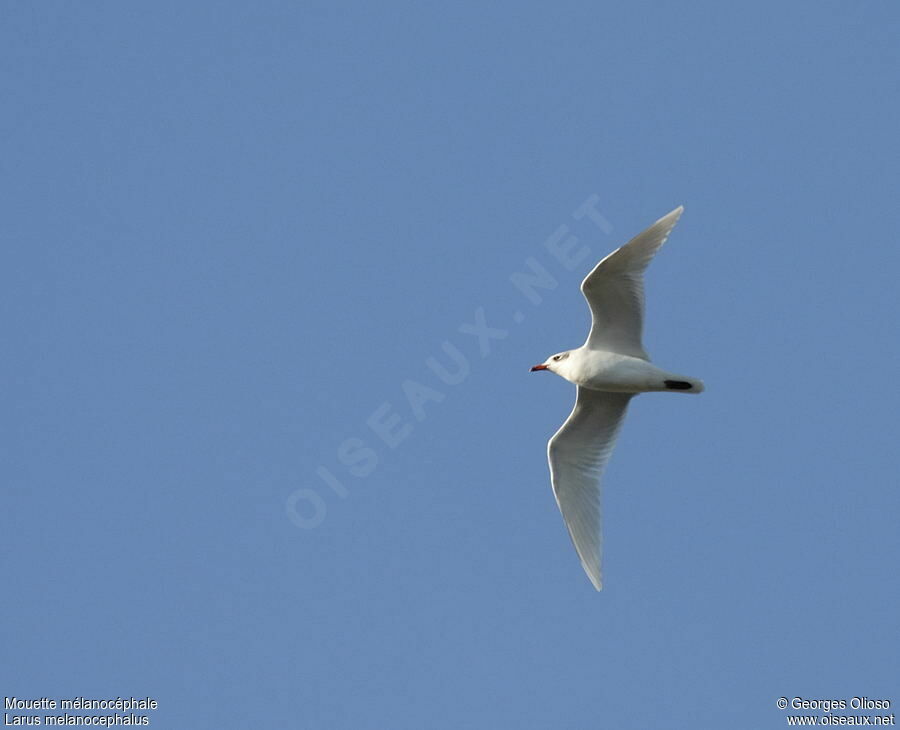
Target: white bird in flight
(609, 370)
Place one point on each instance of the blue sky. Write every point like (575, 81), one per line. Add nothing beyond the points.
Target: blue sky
(236, 233)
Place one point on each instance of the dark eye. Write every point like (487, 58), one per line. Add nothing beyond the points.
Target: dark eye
(557, 357)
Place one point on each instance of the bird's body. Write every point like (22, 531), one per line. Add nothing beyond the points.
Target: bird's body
(609, 370)
(615, 373)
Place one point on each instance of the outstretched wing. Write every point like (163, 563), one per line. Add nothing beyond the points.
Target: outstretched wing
(578, 453)
(615, 291)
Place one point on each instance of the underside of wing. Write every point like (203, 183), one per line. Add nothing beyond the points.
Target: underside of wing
(578, 453)
(615, 291)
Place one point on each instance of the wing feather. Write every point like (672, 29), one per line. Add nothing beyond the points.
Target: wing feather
(615, 291)
(578, 453)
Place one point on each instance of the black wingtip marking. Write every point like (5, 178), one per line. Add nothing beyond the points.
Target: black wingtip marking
(677, 385)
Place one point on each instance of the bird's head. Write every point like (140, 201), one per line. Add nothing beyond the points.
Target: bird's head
(554, 363)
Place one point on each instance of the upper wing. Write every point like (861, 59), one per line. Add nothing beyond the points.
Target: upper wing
(578, 452)
(615, 291)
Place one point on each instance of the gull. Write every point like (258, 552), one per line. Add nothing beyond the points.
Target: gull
(609, 369)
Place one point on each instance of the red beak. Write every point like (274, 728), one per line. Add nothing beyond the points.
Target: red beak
(539, 367)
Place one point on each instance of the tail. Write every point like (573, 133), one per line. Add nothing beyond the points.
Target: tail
(684, 384)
